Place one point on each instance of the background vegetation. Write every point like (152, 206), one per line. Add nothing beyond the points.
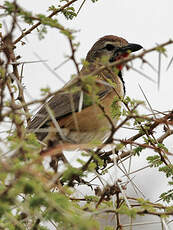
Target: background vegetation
(37, 195)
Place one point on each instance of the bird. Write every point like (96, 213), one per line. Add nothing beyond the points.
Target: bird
(80, 112)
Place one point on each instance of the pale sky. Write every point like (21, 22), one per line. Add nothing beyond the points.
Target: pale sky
(146, 22)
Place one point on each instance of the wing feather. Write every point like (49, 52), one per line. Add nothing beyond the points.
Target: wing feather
(61, 105)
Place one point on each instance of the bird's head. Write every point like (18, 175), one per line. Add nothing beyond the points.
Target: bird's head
(111, 48)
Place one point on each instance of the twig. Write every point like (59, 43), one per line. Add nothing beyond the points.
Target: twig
(72, 57)
(169, 64)
(124, 195)
(147, 101)
(159, 69)
(142, 74)
(50, 69)
(39, 23)
(55, 122)
(81, 6)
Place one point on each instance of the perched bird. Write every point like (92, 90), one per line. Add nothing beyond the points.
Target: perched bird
(81, 111)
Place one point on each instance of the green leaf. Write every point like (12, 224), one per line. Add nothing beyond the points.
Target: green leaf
(162, 146)
(138, 150)
(37, 201)
(71, 172)
(116, 108)
(127, 211)
(167, 196)
(45, 91)
(155, 160)
(109, 228)
(69, 13)
(168, 170)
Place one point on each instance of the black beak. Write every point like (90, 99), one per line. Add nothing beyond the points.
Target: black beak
(131, 47)
(124, 50)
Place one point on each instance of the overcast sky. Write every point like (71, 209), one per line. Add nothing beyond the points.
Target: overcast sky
(146, 22)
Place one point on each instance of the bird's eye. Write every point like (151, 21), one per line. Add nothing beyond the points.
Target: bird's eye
(109, 47)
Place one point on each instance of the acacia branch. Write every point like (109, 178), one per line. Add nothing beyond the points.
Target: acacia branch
(139, 212)
(39, 23)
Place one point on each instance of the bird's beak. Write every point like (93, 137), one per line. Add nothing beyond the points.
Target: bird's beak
(131, 47)
(124, 51)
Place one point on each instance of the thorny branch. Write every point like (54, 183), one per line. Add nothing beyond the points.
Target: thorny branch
(39, 23)
(146, 128)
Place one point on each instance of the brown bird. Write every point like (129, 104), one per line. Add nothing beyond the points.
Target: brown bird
(81, 111)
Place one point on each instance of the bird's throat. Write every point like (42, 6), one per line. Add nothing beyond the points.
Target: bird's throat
(119, 57)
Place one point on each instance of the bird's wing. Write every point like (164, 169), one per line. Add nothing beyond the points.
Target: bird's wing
(62, 104)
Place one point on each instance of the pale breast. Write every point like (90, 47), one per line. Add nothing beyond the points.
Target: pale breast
(91, 124)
